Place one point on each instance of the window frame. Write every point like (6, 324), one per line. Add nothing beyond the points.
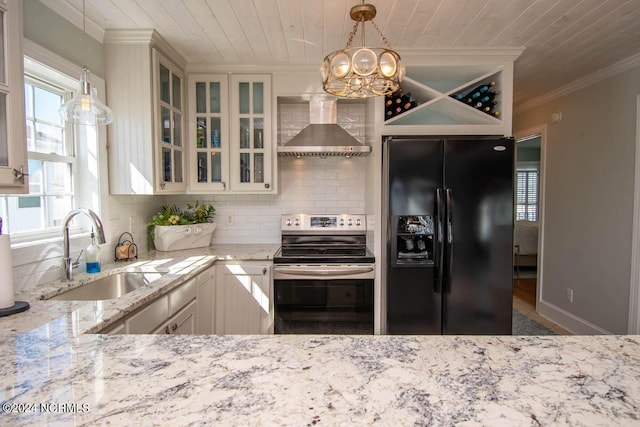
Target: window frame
(43, 66)
(528, 169)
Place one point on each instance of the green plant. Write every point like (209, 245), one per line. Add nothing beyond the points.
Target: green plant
(173, 215)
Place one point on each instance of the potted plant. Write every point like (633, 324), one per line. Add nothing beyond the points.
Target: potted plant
(173, 228)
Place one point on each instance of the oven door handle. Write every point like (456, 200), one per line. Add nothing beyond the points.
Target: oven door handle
(322, 271)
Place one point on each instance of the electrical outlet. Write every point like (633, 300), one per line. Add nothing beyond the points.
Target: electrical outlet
(570, 295)
(229, 219)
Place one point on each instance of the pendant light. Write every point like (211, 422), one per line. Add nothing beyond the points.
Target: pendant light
(362, 72)
(85, 108)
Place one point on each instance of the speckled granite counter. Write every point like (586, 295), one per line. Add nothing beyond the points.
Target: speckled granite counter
(53, 373)
(338, 380)
(166, 269)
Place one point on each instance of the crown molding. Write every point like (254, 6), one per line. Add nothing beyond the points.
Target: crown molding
(147, 36)
(593, 78)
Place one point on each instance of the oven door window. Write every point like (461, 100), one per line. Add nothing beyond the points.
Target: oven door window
(333, 294)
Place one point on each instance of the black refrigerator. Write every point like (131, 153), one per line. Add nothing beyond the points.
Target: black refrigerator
(449, 209)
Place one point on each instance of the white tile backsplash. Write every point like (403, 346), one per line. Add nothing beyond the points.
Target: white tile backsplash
(307, 185)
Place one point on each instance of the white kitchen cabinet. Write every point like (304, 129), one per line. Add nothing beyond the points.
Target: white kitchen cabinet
(230, 134)
(251, 150)
(115, 329)
(206, 301)
(146, 319)
(432, 81)
(13, 146)
(166, 311)
(146, 92)
(244, 292)
(209, 149)
(183, 323)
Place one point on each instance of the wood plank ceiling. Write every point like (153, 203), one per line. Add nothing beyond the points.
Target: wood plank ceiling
(564, 39)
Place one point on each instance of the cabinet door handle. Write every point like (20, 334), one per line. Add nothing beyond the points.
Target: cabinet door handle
(224, 185)
(162, 185)
(166, 330)
(267, 186)
(264, 271)
(174, 327)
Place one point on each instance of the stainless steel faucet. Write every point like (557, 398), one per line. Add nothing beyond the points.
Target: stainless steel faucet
(99, 230)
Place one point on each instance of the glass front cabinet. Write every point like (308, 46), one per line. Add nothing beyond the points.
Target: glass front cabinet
(146, 89)
(169, 124)
(13, 165)
(208, 133)
(230, 133)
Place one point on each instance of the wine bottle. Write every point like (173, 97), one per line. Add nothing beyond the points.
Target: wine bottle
(478, 92)
(485, 97)
(409, 105)
(475, 92)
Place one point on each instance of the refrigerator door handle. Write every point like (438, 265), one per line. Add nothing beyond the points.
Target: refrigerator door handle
(440, 239)
(449, 240)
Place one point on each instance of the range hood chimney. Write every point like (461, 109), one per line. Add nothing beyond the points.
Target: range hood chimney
(323, 137)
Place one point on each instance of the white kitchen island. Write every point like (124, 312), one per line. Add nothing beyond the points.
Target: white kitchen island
(53, 370)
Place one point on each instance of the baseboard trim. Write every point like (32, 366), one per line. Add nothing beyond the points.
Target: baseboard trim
(568, 321)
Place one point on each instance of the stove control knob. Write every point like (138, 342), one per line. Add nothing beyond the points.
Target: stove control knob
(288, 222)
(358, 222)
(296, 222)
(350, 222)
(342, 222)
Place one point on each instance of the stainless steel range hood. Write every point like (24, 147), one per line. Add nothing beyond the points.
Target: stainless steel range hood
(323, 137)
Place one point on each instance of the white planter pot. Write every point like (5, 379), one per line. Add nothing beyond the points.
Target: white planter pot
(177, 237)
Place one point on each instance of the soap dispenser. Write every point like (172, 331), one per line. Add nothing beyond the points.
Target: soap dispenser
(92, 255)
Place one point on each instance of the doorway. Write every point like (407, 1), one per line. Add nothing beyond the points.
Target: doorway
(529, 198)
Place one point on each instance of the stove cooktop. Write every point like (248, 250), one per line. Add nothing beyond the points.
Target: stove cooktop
(323, 255)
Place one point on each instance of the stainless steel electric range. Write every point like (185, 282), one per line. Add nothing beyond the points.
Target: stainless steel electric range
(323, 276)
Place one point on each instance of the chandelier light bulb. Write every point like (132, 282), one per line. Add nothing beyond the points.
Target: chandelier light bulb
(388, 65)
(364, 62)
(340, 65)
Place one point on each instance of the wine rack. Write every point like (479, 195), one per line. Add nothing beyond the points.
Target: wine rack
(483, 97)
(435, 79)
(398, 103)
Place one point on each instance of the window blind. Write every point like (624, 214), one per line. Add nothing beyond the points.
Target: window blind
(527, 195)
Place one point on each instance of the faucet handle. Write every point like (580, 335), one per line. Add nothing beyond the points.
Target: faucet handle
(76, 263)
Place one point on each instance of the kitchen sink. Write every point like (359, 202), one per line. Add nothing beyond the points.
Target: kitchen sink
(108, 287)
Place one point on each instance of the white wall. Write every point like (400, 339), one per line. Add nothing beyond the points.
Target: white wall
(589, 203)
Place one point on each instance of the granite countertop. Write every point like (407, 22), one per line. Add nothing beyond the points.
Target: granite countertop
(54, 371)
(166, 270)
(323, 380)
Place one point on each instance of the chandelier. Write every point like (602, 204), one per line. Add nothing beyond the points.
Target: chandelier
(362, 72)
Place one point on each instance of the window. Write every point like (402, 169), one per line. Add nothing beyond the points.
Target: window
(55, 169)
(527, 194)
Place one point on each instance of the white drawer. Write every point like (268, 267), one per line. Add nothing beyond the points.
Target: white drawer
(181, 296)
(148, 318)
